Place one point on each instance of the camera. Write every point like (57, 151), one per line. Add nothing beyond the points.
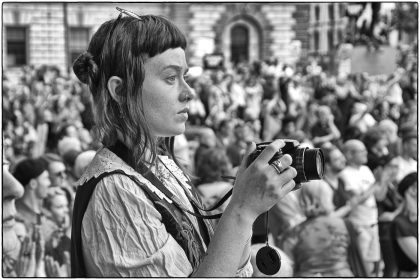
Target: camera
(309, 163)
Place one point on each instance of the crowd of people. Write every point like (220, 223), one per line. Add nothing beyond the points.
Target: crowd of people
(366, 125)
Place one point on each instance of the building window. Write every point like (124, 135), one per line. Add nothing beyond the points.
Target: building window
(239, 44)
(316, 40)
(16, 44)
(330, 40)
(331, 15)
(342, 10)
(317, 11)
(78, 41)
(340, 36)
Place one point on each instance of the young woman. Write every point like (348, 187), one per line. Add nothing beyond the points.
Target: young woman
(135, 213)
(405, 228)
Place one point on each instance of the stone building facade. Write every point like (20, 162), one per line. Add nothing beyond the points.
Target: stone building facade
(54, 33)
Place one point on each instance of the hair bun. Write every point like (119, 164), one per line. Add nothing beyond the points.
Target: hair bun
(85, 67)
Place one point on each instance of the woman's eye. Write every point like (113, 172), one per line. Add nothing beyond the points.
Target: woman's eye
(171, 78)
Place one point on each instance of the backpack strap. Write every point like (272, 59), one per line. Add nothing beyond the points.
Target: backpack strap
(81, 201)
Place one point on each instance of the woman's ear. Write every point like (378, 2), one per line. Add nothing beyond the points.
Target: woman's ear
(113, 83)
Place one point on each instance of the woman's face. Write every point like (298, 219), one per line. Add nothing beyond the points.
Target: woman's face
(165, 93)
(59, 208)
(337, 160)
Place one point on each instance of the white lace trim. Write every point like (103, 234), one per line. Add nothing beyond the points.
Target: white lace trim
(176, 171)
(106, 161)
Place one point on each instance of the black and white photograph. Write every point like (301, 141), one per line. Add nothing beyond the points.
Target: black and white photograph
(214, 139)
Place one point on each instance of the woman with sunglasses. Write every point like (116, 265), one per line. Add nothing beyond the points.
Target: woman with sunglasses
(135, 212)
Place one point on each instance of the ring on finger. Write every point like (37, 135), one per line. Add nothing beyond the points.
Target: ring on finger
(277, 166)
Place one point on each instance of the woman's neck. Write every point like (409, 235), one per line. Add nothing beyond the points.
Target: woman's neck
(130, 145)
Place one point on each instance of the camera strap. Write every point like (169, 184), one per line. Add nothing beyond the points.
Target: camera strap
(120, 149)
(194, 200)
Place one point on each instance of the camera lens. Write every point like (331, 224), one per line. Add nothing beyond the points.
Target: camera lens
(313, 164)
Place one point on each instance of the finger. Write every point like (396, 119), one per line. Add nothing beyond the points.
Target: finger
(56, 268)
(48, 266)
(288, 187)
(32, 252)
(270, 151)
(288, 174)
(67, 262)
(24, 249)
(66, 257)
(282, 163)
(244, 162)
(25, 266)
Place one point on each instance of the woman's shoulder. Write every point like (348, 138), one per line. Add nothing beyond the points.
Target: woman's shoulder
(116, 176)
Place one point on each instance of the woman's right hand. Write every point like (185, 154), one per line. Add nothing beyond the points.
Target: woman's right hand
(259, 186)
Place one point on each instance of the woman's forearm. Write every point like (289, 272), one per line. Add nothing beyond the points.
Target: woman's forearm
(230, 245)
(409, 246)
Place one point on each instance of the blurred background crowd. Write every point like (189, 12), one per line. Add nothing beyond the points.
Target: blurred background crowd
(347, 224)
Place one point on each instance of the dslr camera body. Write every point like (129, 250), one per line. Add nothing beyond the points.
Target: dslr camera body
(309, 163)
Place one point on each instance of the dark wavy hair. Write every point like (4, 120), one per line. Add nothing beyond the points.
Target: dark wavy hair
(120, 48)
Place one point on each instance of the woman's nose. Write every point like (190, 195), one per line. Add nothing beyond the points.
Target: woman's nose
(188, 93)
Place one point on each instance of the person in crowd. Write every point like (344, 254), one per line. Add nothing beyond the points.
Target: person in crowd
(360, 184)
(273, 114)
(377, 147)
(21, 258)
(67, 144)
(212, 165)
(361, 119)
(224, 133)
(390, 130)
(405, 228)
(128, 227)
(197, 112)
(58, 219)
(407, 161)
(324, 129)
(33, 175)
(69, 159)
(288, 128)
(243, 135)
(253, 98)
(56, 170)
(218, 99)
(285, 215)
(389, 205)
(12, 190)
(323, 245)
(207, 139)
(335, 162)
(237, 93)
(82, 161)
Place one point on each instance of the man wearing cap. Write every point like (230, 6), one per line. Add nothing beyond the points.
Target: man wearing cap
(34, 177)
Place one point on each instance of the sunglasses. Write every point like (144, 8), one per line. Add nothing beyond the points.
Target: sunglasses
(125, 12)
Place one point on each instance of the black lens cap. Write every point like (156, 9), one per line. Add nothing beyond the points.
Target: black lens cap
(268, 260)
